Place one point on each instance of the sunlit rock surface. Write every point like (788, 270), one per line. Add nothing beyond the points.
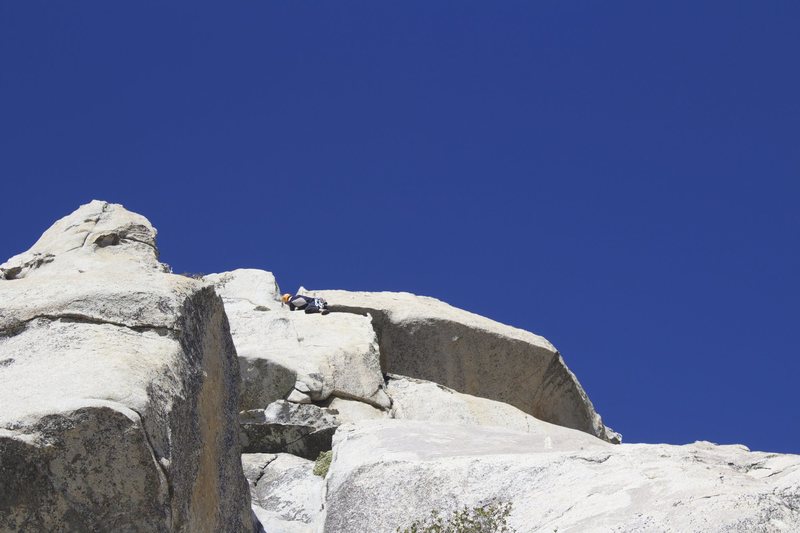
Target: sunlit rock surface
(287, 496)
(425, 338)
(120, 409)
(283, 352)
(120, 387)
(556, 479)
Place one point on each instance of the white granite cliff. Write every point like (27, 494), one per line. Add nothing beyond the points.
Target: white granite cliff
(134, 399)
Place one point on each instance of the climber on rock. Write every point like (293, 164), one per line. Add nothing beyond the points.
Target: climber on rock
(305, 303)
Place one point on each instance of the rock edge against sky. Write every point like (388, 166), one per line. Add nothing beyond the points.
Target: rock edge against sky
(130, 394)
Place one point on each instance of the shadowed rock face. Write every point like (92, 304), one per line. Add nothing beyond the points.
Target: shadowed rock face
(63, 473)
(120, 387)
(427, 339)
(302, 430)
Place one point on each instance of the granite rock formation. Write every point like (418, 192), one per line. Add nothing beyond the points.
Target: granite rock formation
(287, 496)
(281, 352)
(425, 338)
(556, 479)
(129, 394)
(120, 387)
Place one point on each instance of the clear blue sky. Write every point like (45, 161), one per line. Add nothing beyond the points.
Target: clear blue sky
(629, 172)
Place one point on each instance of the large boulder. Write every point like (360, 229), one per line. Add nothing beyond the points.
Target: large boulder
(308, 356)
(118, 408)
(428, 339)
(555, 479)
(287, 496)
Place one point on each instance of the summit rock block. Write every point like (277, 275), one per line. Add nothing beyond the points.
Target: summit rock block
(118, 409)
(97, 236)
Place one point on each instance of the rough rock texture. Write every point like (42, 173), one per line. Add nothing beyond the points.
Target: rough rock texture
(414, 399)
(253, 465)
(287, 496)
(119, 400)
(310, 356)
(556, 479)
(97, 236)
(120, 385)
(251, 299)
(247, 288)
(352, 411)
(303, 430)
(427, 339)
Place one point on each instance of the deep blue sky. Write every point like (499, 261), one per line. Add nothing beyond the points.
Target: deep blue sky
(629, 172)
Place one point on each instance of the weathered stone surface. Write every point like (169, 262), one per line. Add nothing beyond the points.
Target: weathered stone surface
(353, 411)
(146, 301)
(556, 479)
(329, 355)
(302, 430)
(120, 387)
(414, 399)
(298, 397)
(98, 235)
(253, 465)
(70, 471)
(249, 288)
(286, 495)
(249, 297)
(118, 401)
(427, 339)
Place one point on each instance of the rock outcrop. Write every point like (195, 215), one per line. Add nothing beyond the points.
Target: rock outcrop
(98, 236)
(120, 408)
(120, 387)
(425, 338)
(282, 352)
(556, 479)
(287, 496)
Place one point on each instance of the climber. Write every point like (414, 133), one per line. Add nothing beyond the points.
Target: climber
(306, 303)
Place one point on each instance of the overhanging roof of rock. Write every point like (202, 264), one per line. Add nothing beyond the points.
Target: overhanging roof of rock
(404, 307)
(425, 338)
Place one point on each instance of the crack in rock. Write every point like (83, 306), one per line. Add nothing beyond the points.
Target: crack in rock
(76, 318)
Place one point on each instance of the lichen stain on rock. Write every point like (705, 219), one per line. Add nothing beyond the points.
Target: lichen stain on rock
(204, 499)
